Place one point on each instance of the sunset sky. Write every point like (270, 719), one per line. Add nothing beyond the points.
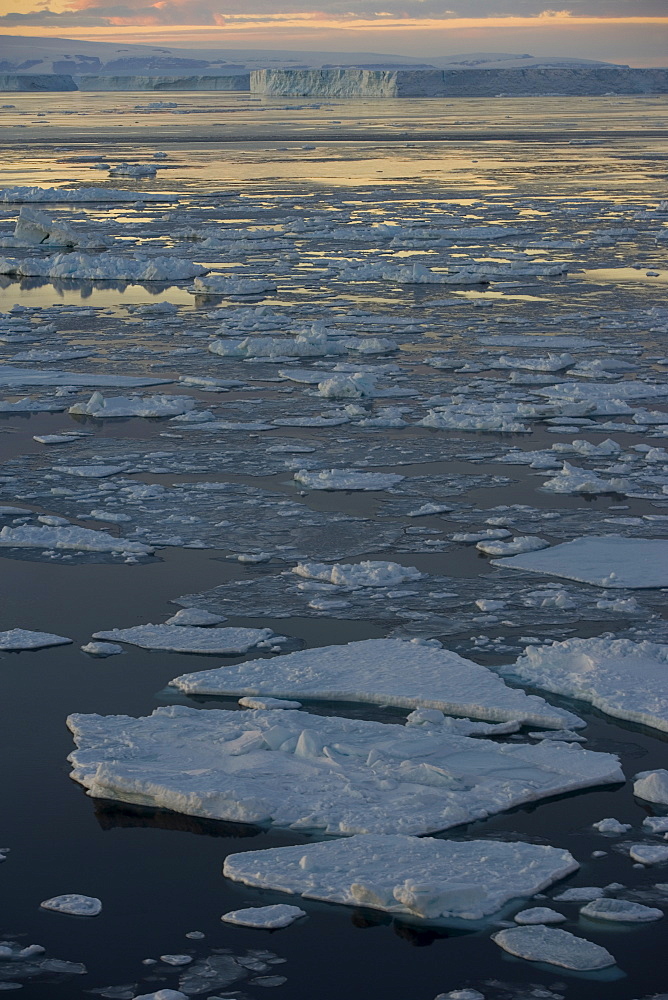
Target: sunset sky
(632, 31)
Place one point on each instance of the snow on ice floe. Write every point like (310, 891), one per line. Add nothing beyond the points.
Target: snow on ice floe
(347, 479)
(103, 267)
(308, 772)
(365, 574)
(17, 639)
(74, 904)
(133, 406)
(652, 786)
(268, 918)
(81, 539)
(26, 195)
(620, 911)
(189, 639)
(420, 877)
(539, 915)
(382, 671)
(268, 703)
(603, 560)
(554, 946)
(625, 679)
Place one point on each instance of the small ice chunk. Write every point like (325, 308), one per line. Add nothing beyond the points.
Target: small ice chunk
(266, 917)
(554, 946)
(461, 995)
(133, 406)
(74, 904)
(102, 649)
(620, 910)
(347, 479)
(17, 639)
(649, 854)
(163, 995)
(611, 825)
(521, 543)
(656, 824)
(652, 786)
(580, 894)
(195, 616)
(539, 915)
(176, 959)
(268, 703)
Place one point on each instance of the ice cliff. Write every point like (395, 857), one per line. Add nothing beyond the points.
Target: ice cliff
(238, 81)
(37, 81)
(531, 80)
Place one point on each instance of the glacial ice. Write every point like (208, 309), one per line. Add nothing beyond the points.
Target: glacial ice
(554, 946)
(17, 639)
(652, 786)
(603, 560)
(422, 877)
(620, 910)
(382, 671)
(188, 639)
(133, 406)
(625, 679)
(268, 918)
(74, 904)
(309, 772)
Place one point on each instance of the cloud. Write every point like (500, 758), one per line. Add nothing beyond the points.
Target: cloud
(89, 13)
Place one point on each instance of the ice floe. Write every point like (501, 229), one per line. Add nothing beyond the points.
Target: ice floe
(309, 772)
(268, 918)
(133, 406)
(346, 479)
(649, 854)
(421, 877)
(364, 574)
(539, 915)
(382, 671)
(554, 946)
(620, 910)
(17, 639)
(192, 639)
(625, 679)
(652, 786)
(74, 904)
(604, 560)
(103, 267)
(80, 539)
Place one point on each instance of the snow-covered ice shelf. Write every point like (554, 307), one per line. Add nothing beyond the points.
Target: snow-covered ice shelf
(421, 877)
(309, 772)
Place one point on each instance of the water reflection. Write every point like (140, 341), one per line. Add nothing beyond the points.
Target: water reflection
(111, 815)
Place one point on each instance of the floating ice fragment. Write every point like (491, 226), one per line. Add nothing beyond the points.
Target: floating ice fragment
(24, 195)
(133, 406)
(382, 671)
(188, 639)
(521, 543)
(163, 995)
(268, 703)
(309, 772)
(347, 479)
(74, 904)
(81, 539)
(364, 574)
(611, 826)
(554, 946)
(539, 915)
(195, 616)
(17, 639)
(603, 560)
(449, 879)
(652, 786)
(176, 959)
(221, 284)
(580, 894)
(102, 649)
(266, 917)
(103, 267)
(649, 854)
(625, 679)
(655, 824)
(461, 995)
(12, 375)
(620, 910)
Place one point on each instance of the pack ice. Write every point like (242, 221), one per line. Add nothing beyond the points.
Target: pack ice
(556, 947)
(420, 877)
(190, 639)
(625, 679)
(308, 772)
(603, 560)
(382, 671)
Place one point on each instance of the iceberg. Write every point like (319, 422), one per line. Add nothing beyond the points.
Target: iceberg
(307, 772)
(423, 878)
(382, 671)
(602, 560)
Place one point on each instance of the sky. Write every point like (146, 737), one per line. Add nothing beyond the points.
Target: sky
(627, 31)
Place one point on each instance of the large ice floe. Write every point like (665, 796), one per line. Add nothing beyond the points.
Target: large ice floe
(603, 560)
(625, 679)
(382, 671)
(554, 946)
(28, 536)
(189, 639)
(133, 406)
(103, 267)
(423, 878)
(17, 639)
(307, 772)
